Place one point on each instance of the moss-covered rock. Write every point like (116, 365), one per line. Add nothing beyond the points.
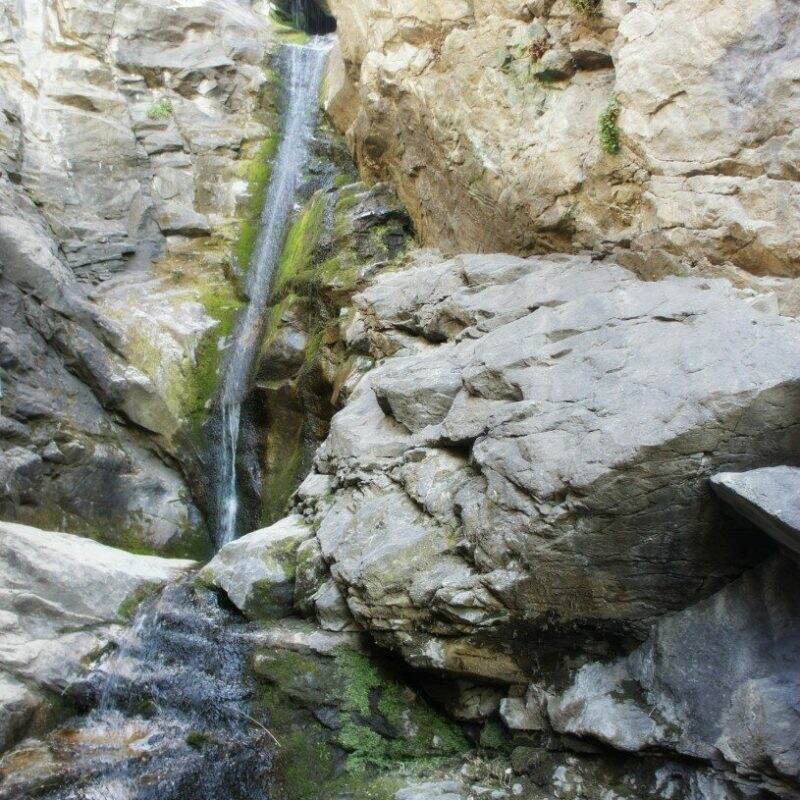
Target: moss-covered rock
(341, 236)
(257, 571)
(347, 725)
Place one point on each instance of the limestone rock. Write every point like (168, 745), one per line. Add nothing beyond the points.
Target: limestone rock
(99, 95)
(769, 497)
(433, 790)
(486, 118)
(307, 638)
(536, 451)
(525, 713)
(257, 571)
(719, 680)
(61, 599)
(123, 128)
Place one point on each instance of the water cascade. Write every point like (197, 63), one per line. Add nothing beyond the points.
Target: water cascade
(171, 715)
(303, 67)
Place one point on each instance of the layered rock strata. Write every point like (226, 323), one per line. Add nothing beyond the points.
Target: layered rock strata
(125, 132)
(661, 131)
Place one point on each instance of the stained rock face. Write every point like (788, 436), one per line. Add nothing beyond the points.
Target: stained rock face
(61, 598)
(531, 463)
(487, 117)
(720, 681)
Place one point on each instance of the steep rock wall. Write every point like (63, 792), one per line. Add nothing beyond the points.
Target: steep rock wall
(126, 135)
(487, 117)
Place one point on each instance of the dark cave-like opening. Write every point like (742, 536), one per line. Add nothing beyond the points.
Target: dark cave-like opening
(312, 16)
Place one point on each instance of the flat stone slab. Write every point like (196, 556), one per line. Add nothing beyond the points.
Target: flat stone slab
(768, 497)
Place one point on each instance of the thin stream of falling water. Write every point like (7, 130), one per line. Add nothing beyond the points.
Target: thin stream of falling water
(304, 67)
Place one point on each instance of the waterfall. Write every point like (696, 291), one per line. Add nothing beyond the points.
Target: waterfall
(303, 66)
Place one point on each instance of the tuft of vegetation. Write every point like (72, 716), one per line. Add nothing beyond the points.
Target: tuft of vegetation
(221, 303)
(589, 8)
(197, 740)
(128, 606)
(161, 109)
(608, 128)
(284, 28)
(493, 736)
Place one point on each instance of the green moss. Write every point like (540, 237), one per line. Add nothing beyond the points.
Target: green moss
(197, 739)
(258, 172)
(344, 179)
(161, 109)
(493, 736)
(220, 303)
(287, 459)
(304, 764)
(366, 747)
(309, 764)
(295, 267)
(284, 29)
(608, 129)
(127, 608)
(359, 677)
(282, 667)
(421, 731)
(293, 37)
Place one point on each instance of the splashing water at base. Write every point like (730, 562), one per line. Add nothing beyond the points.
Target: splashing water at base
(303, 66)
(171, 719)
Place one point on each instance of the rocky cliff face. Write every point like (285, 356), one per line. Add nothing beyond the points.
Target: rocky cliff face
(125, 134)
(515, 500)
(514, 467)
(659, 131)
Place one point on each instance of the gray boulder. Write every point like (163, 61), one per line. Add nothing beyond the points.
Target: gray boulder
(530, 457)
(257, 571)
(718, 681)
(768, 497)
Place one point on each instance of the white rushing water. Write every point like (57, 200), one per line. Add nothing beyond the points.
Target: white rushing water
(304, 66)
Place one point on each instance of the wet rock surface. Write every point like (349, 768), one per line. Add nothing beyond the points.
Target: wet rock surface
(169, 715)
(62, 599)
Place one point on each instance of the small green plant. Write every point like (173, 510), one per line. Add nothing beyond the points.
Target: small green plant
(608, 128)
(589, 8)
(197, 740)
(162, 109)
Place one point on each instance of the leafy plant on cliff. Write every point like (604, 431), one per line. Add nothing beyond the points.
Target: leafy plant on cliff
(162, 109)
(608, 128)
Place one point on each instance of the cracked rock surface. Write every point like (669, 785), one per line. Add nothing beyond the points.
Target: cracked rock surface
(528, 460)
(486, 116)
(122, 123)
